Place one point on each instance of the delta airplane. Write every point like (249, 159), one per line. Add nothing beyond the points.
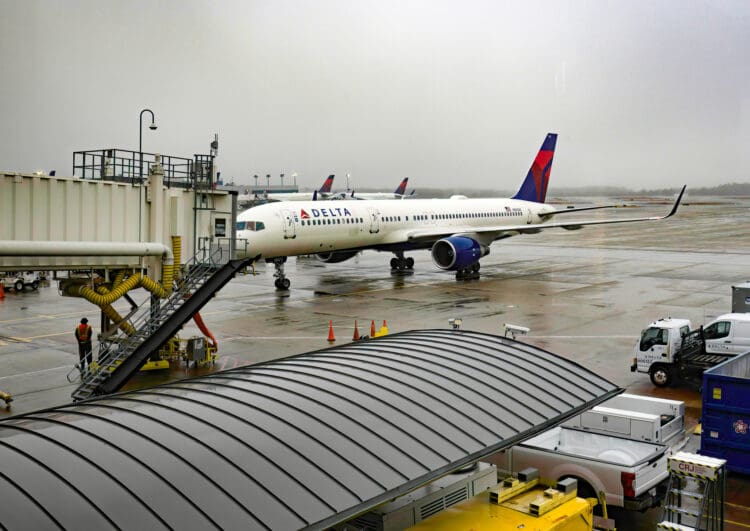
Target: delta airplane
(459, 231)
(398, 193)
(324, 192)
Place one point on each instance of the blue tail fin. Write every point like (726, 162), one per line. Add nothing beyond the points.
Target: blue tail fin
(534, 187)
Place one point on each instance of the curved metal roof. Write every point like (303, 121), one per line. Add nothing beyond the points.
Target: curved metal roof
(304, 441)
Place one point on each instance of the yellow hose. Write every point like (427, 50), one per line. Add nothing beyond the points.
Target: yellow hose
(118, 278)
(177, 253)
(112, 314)
(104, 297)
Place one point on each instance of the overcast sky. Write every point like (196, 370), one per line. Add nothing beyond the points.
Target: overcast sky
(461, 93)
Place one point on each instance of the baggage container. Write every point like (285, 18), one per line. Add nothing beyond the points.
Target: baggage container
(726, 413)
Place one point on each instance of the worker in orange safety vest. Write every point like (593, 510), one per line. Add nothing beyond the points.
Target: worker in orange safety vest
(83, 335)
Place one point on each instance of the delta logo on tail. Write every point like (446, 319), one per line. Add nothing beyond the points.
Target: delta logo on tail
(327, 185)
(534, 188)
(401, 190)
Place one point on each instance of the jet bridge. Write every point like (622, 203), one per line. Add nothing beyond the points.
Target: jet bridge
(114, 200)
(302, 442)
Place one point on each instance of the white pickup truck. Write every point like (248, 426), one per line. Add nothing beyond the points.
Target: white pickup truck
(619, 447)
(632, 474)
(643, 418)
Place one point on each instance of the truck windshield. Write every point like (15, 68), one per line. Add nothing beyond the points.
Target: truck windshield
(653, 336)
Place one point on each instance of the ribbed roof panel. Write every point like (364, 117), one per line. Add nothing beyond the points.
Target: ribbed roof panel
(304, 441)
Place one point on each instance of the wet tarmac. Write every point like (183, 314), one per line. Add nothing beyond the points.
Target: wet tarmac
(584, 295)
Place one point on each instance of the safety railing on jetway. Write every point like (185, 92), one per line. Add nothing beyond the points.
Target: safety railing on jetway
(122, 165)
(153, 322)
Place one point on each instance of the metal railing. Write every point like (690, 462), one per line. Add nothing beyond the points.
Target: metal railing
(122, 165)
(146, 320)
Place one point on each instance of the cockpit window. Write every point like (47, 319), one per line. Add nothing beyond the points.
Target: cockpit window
(251, 225)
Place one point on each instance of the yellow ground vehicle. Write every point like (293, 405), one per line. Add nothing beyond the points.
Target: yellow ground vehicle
(516, 505)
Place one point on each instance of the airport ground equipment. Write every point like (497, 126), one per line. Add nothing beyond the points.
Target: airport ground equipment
(302, 442)
(741, 298)
(518, 504)
(695, 494)
(18, 280)
(122, 355)
(670, 351)
(643, 418)
(725, 417)
(414, 507)
(631, 473)
(6, 397)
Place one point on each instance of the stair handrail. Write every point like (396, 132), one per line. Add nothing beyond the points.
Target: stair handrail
(193, 274)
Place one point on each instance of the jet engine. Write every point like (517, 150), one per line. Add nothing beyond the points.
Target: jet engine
(335, 257)
(457, 252)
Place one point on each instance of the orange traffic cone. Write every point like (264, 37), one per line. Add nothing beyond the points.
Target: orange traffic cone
(385, 325)
(372, 328)
(2, 290)
(331, 337)
(356, 332)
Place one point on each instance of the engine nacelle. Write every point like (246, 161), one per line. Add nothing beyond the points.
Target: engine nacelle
(457, 252)
(335, 257)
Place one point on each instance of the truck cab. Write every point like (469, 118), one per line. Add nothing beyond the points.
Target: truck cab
(657, 345)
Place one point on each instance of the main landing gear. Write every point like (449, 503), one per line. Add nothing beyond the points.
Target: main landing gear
(468, 273)
(282, 283)
(399, 263)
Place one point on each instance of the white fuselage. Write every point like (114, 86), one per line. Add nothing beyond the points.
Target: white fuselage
(279, 229)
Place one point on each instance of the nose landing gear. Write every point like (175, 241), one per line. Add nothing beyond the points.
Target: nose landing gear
(282, 283)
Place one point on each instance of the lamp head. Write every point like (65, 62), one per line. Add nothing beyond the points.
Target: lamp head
(152, 126)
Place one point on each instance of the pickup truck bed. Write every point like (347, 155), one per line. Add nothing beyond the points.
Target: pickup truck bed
(629, 472)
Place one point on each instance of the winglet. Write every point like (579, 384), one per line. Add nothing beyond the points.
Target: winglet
(534, 187)
(676, 203)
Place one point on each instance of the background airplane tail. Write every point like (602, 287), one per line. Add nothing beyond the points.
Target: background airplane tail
(401, 190)
(534, 187)
(327, 185)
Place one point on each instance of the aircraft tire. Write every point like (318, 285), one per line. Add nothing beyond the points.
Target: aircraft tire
(409, 263)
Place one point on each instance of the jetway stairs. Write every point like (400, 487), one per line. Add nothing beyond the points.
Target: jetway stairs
(121, 355)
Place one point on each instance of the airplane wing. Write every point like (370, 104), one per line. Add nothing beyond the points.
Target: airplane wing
(491, 233)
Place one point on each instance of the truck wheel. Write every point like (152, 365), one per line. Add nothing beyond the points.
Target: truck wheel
(18, 285)
(661, 375)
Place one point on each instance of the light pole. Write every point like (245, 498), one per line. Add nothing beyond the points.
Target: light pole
(140, 170)
(140, 136)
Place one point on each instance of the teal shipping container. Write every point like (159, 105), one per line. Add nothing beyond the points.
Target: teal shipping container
(726, 413)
